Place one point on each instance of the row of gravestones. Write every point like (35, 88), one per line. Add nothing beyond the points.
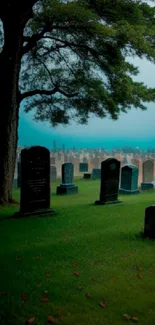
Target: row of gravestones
(35, 185)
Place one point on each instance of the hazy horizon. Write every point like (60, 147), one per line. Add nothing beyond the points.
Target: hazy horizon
(135, 128)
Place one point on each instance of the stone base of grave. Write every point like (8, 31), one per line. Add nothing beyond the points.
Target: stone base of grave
(67, 189)
(98, 202)
(146, 186)
(149, 222)
(129, 192)
(45, 212)
(87, 175)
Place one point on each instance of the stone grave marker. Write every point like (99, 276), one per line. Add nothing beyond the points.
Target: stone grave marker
(35, 182)
(83, 167)
(96, 173)
(87, 175)
(110, 172)
(129, 180)
(67, 186)
(149, 222)
(148, 175)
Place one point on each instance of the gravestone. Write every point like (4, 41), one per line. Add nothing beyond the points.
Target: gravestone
(110, 171)
(83, 167)
(53, 174)
(35, 182)
(129, 180)
(149, 222)
(87, 175)
(96, 173)
(67, 186)
(148, 175)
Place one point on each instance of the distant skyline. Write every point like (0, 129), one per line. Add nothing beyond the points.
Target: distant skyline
(135, 128)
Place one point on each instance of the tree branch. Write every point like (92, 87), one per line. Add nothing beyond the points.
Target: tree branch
(38, 92)
(45, 92)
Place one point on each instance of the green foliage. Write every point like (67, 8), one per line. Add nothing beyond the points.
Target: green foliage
(79, 50)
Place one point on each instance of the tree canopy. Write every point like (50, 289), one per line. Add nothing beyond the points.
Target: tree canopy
(75, 58)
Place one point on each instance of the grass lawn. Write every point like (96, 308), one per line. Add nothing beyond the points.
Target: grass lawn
(39, 255)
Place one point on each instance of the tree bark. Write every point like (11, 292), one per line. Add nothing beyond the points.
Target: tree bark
(10, 62)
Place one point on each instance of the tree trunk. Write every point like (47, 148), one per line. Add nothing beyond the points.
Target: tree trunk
(10, 62)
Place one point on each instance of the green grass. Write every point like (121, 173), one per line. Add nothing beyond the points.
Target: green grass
(105, 241)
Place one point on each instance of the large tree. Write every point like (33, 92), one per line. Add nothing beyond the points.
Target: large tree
(68, 59)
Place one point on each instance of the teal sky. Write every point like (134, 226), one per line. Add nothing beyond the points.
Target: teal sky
(136, 128)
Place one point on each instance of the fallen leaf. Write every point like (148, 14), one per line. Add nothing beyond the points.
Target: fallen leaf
(102, 304)
(30, 321)
(126, 316)
(113, 278)
(139, 268)
(135, 319)
(76, 273)
(80, 287)
(44, 299)
(38, 257)
(23, 297)
(47, 275)
(88, 295)
(75, 264)
(4, 293)
(140, 276)
(51, 319)
(19, 258)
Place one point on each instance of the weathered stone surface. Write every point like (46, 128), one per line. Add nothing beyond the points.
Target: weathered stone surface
(110, 171)
(129, 180)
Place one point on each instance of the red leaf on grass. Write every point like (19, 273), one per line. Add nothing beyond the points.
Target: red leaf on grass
(23, 297)
(80, 287)
(140, 276)
(89, 295)
(19, 258)
(102, 304)
(44, 299)
(47, 275)
(51, 319)
(75, 264)
(30, 321)
(135, 319)
(76, 273)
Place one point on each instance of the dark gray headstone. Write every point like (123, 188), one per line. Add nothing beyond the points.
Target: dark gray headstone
(110, 171)
(35, 181)
(148, 174)
(149, 222)
(87, 175)
(96, 173)
(129, 180)
(67, 186)
(83, 167)
(67, 173)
